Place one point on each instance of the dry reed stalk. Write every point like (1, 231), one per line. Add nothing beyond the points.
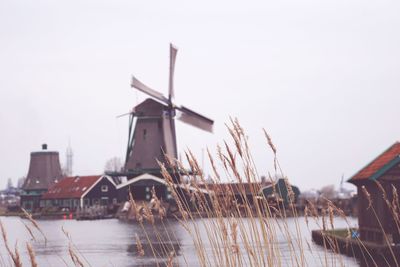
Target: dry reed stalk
(396, 205)
(139, 247)
(272, 146)
(367, 195)
(34, 223)
(147, 214)
(32, 256)
(72, 246)
(391, 205)
(74, 257)
(14, 255)
(29, 230)
(170, 260)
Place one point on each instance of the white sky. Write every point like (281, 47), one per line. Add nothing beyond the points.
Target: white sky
(321, 76)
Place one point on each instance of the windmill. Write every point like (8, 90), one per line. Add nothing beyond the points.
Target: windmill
(154, 133)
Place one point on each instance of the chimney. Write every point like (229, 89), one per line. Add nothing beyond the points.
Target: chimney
(44, 146)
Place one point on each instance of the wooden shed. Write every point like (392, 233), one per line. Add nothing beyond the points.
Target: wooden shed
(378, 212)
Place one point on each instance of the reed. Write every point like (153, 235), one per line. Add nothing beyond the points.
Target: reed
(229, 229)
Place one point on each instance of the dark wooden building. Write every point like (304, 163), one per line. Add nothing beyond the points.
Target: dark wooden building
(44, 171)
(375, 216)
(80, 192)
(280, 190)
(140, 187)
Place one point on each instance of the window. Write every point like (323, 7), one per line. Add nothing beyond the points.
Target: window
(144, 134)
(104, 188)
(104, 201)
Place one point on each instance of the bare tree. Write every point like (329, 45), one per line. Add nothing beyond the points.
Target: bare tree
(113, 165)
(21, 182)
(328, 192)
(9, 183)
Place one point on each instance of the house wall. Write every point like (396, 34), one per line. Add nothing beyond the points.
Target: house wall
(70, 203)
(30, 199)
(375, 218)
(141, 190)
(99, 196)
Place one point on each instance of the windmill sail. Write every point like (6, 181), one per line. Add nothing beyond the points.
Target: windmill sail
(172, 57)
(195, 119)
(169, 136)
(147, 90)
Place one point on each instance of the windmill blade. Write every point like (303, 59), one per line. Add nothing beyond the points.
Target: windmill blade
(172, 57)
(132, 112)
(147, 90)
(195, 119)
(169, 136)
(125, 114)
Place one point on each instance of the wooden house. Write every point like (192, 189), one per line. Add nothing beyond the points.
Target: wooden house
(141, 186)
(280, 190)
(376, 218)
(81, 191)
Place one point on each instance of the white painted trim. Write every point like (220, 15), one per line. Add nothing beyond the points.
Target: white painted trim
(98, 180)
(267, 186)
(147, 176)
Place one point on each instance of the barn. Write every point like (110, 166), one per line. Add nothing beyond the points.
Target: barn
(377, 184)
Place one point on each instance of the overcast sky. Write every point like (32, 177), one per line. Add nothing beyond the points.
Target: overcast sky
(322, 77)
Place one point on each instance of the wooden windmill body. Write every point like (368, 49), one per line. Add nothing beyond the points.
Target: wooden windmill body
(152, 134)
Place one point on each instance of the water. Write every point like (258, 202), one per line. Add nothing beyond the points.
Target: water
(112, 243)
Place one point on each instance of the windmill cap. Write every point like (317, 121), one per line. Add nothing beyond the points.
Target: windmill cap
(44, 146)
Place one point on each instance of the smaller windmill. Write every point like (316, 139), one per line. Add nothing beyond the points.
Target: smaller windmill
(154, 133)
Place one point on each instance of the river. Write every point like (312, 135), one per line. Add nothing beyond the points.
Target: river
(112, 243)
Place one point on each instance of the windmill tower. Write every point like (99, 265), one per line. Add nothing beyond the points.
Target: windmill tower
(44, 171)
(154, 133)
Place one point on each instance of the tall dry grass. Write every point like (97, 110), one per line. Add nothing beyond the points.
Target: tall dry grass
(228, 229)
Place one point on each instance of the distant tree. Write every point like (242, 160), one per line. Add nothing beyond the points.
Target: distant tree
(113, 165)
(328, 192)
(9, 183)
(21, 182)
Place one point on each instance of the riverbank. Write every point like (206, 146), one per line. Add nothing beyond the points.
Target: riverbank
(348, 243)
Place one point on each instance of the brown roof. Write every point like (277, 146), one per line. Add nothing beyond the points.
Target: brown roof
(44, 170)
(378, 163)
(71, 187)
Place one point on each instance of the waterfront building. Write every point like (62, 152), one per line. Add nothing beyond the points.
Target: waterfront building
(376, 219)
(80, 192)
(141, 188)
(280, 189)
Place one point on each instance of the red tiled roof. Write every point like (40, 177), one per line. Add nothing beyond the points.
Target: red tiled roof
(378, 163)
(71, 187)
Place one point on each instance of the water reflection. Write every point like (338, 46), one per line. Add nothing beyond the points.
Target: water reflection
(113, 243)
